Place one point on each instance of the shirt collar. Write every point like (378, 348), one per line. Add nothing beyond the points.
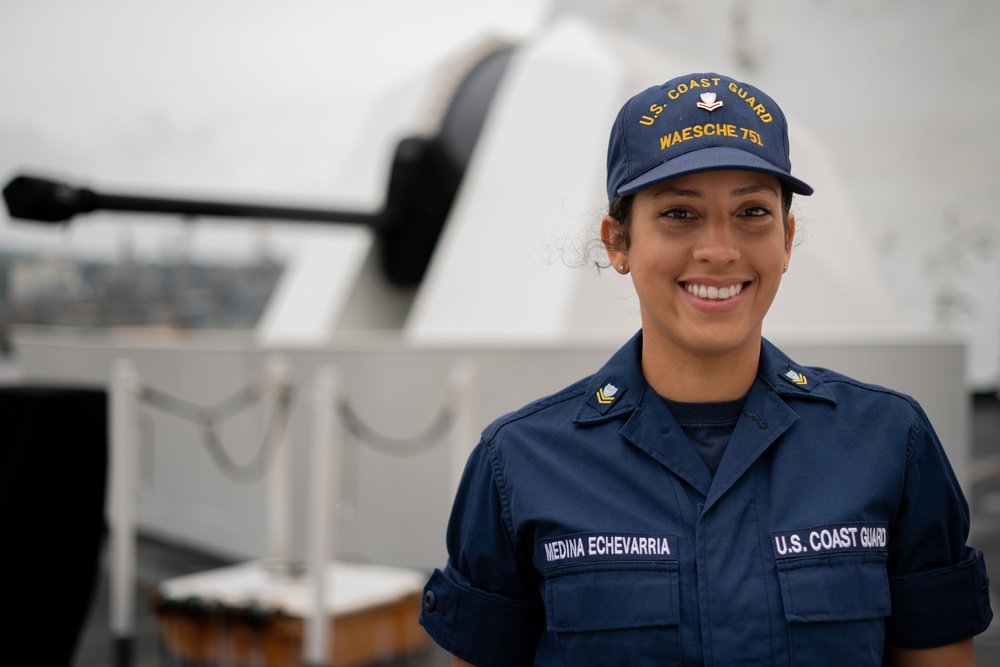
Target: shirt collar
(790, 379)
(618, 387)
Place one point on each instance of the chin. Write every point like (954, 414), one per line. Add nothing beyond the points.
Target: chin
(717, 344)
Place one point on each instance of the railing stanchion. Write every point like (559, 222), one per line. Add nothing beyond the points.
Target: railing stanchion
(327, 434)
(122, 555)
(277, 383)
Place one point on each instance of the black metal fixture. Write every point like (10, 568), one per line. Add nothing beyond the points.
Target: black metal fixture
(423, 181)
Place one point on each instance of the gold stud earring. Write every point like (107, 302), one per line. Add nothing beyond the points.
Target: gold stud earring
(785, 267)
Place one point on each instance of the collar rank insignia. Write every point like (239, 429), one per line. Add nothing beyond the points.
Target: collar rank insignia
(708, 102)
(796, 378)
(606, 394)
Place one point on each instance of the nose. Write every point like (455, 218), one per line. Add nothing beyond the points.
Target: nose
(716, 244)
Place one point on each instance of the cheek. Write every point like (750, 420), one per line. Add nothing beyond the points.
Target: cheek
(652, 260)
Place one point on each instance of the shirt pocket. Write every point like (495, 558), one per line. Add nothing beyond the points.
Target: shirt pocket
(615, 613)
(836, 607)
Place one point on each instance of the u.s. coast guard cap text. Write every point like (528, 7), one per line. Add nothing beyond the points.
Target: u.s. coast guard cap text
(694, 123)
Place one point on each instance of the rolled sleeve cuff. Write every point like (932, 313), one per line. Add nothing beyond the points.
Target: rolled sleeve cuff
(942, 606)
(483, 629)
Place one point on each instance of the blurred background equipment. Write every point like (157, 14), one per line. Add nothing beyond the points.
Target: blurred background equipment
(53, 474)
(423, 180)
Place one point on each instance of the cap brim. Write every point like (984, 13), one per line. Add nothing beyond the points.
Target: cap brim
(711, 159)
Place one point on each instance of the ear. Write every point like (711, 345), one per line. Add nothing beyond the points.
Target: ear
(613, 236)
(790, 237)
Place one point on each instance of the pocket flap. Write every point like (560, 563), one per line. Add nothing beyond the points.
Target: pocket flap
(631, 596)
(844, 587)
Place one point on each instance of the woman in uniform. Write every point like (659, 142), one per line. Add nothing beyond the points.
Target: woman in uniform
(703, 499)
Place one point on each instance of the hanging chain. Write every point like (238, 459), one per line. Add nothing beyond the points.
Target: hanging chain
(397, 447)
(209, 418)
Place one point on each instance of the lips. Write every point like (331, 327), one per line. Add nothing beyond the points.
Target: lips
(712, 292)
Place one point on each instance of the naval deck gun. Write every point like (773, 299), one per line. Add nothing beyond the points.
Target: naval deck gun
(424, 177)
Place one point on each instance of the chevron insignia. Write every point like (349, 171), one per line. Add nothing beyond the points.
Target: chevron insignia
(797, 378)
(606, 394)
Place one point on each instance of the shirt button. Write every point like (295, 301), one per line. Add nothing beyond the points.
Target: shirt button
(430, 601)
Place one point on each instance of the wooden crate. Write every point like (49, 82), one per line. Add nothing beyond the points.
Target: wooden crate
(252, 614)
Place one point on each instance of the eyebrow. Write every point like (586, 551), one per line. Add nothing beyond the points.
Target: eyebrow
(698, 194)
(678, 192)
(753, 189)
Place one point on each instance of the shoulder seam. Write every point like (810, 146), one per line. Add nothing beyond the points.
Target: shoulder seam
(837, 378)
(571, 392)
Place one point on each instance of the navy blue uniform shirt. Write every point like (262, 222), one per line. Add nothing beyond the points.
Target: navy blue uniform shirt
(587, 530)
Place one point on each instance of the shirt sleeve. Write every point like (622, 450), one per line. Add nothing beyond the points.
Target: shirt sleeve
(939, 586)
(484, 607)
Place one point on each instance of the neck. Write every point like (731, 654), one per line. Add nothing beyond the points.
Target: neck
(692, 377)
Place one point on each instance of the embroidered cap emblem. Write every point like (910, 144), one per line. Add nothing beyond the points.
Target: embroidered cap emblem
(708, 102)
(606, 394)
(797, 378)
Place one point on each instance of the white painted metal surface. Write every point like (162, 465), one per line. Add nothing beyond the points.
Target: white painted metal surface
(535, 194)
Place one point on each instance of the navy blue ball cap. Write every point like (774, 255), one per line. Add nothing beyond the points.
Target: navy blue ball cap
(695, 123)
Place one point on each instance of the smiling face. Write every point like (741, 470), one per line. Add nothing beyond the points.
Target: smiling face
(706, 253)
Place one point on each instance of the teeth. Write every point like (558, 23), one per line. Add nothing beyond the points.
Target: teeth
(715, 293)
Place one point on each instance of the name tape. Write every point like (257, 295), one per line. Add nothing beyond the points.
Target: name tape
(586, 547)
(835, 538)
